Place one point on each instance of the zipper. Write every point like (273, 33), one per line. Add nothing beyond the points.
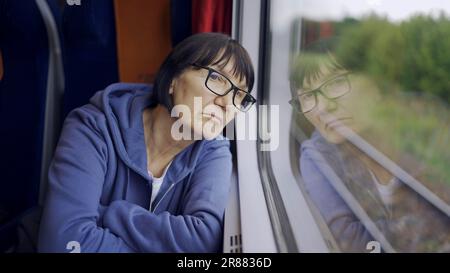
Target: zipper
(171, 186)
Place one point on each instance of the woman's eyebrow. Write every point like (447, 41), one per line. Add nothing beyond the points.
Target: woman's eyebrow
(230, 77)
(221, 71)
(335, 74)
(304, 90)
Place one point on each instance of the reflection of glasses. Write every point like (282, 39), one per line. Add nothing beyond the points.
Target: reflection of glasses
(331, 89)
(220, 85)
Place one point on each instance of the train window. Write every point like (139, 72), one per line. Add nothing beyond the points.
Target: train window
(363, 92)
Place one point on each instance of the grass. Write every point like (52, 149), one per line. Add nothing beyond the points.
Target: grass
(413, 130)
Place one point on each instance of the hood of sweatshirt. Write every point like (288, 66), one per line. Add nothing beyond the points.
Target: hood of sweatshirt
(123, 105)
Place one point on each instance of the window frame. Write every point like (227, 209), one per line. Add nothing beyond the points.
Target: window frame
(256, 227)
(275, 217)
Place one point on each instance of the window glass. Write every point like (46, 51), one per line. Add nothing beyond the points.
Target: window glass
(370, 93)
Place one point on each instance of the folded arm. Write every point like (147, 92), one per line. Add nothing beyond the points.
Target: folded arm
(199, 227)
(72, 207)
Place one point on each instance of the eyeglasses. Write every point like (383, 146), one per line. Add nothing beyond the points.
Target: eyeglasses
(220, 85)
(331, 89)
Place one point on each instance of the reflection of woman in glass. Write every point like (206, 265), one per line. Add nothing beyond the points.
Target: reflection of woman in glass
(327, 97)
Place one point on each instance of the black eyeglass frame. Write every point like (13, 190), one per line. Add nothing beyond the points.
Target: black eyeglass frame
(295, 102)
(233, 87)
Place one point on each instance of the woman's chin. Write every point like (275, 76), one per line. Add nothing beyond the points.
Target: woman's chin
(332, 136)
(335, 139)
(211, 129)
(208, 135)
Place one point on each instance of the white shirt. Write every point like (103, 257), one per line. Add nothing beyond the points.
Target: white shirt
(387, 191)
(157, 181)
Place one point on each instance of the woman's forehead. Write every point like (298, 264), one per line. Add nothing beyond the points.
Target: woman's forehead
(229, 71)
(323, 74)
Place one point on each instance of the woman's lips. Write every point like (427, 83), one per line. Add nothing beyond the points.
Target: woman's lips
(214, 117)
(337, 122)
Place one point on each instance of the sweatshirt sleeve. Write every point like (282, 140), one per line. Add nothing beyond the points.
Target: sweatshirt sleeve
(347, 229)
(200, 225)
(72, 206)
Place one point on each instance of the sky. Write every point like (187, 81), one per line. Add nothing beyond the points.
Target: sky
(395, 10)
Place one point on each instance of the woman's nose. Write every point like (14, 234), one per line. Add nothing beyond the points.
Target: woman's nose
(327, 104)
(331, 105)
(223, 101)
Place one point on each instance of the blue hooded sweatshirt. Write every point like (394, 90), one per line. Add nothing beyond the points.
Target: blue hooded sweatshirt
(405, 225)
(99, 189)
(348, 230)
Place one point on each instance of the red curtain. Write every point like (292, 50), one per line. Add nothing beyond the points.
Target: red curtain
(211, 16)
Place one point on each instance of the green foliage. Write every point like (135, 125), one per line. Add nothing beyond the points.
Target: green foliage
(413, 55)
(418, 125)
(356, 41)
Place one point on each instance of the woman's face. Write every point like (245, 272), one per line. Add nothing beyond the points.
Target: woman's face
(209, 113)
(345, 110)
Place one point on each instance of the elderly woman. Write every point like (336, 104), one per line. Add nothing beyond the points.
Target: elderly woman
(122, 180)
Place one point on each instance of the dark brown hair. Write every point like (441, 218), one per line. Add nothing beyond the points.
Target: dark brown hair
(203, 49)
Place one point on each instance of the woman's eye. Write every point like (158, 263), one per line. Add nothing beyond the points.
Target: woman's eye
(241, 95)
(308, 96)
(214, 76)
